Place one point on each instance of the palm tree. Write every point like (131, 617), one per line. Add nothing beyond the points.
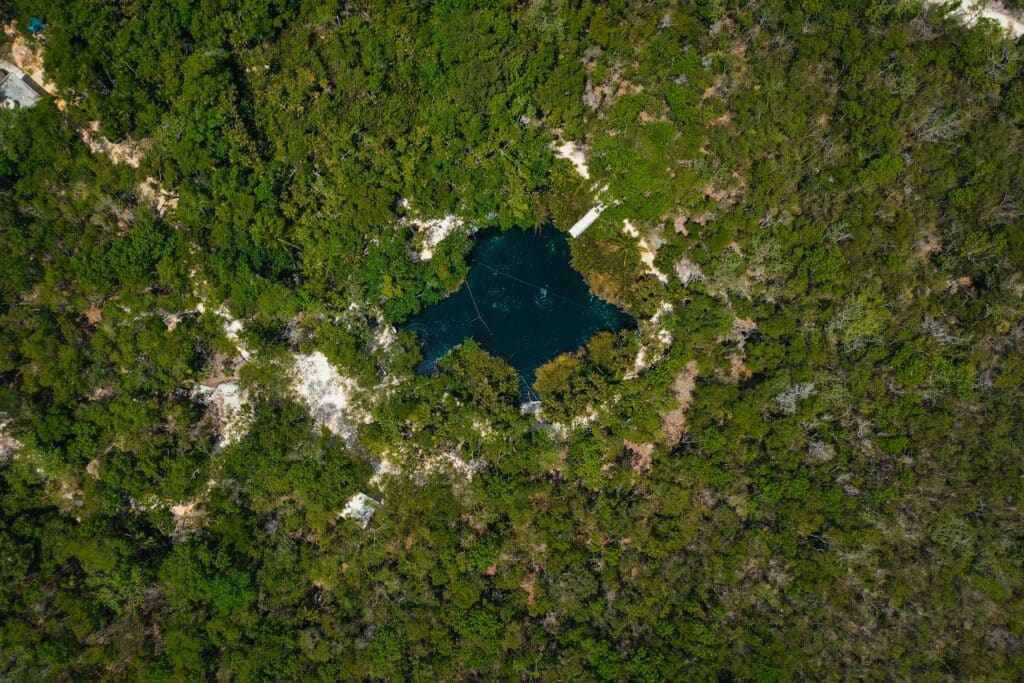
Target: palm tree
(622, 249)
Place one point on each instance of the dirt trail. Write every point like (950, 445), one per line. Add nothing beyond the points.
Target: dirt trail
(674, 421)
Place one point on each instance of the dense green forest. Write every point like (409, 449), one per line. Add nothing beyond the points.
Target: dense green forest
(805, 463)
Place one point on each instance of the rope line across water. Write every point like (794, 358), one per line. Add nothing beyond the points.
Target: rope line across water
(545, 290)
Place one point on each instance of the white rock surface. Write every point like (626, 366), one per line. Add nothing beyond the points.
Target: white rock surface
(434, 231)
(150, 190)
(228, 402)
(360, 507)
(8, 445)
(383, 469)
(128, 152)
(656, 341)
(328, 394)
(384, 336)
(574, 153)
(646, 251)
(688, 271)
(970, 11)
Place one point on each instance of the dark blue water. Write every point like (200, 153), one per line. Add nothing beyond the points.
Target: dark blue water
(522, 301)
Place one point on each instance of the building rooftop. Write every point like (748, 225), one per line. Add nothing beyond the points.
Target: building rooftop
(17, 89)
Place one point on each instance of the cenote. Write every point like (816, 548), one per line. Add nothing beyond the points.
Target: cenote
(522, 301)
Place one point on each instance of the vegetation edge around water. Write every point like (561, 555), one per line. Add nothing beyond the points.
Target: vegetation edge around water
(218, 461)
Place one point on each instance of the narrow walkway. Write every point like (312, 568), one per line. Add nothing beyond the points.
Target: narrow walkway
(589, 218)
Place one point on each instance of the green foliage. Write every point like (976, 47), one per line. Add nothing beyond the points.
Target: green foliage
(815, 474)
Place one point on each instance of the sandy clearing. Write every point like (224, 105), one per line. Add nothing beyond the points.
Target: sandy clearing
(151, 191)
(328, 394)
(234, 419)
(188, 514)
(434, 230)
(384, 468)
(973, 10)
(450, 461)
(574, 153)
(656, 341)
(646, 251)
(29, 58)
(384, 336)
(227, 402)
(129, 152)
(642, 460)
(232, 327)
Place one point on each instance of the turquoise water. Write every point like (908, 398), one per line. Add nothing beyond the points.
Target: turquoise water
(522, 301)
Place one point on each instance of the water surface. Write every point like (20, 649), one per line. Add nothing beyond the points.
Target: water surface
(522, 301)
